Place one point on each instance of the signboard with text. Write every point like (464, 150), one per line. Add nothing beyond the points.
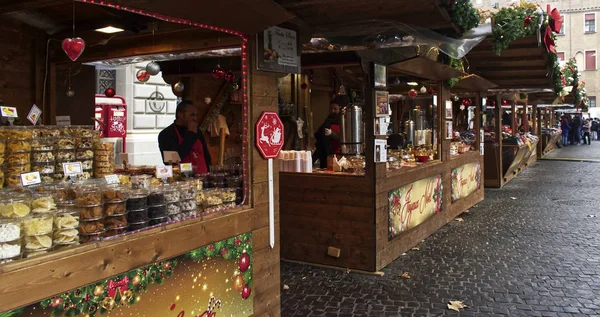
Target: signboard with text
(277, 51)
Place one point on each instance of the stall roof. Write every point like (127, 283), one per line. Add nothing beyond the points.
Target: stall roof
(313, 17)
(522, 65)
(473, 83)
(425, 68)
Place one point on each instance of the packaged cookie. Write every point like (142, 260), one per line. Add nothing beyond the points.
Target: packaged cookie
(43, 203)
(39, 224)
(65, 155)
(42, 156)
(84, 142)
(93, 226)
(173, 208)
(138, 199)
(18, 145)
(114, 193)
(66, 132)
(16, 208)
(87, 165)
(171, 193)
(66, 220)
(91, 212)
(64, 193)
(187, 190)
(18, 157)
(43, 167)
(43, 144)
(18, 168)
(115, 222)
(115, 208)
(228, 195)
(187, 205)
(88, 196)
(141, 181)
(19, 132)
(84, 154)
(65, 144)
(65, 236)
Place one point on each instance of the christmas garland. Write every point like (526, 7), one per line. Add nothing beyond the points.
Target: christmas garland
(513, 23)
(462, 14)
(456, 64)
(104, 296)
(13, 313)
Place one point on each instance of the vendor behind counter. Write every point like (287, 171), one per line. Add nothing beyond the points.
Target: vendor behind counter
(184, 138)
(328, 134)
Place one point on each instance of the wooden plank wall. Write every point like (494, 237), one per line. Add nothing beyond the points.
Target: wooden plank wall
(321, 211)
(22, 59)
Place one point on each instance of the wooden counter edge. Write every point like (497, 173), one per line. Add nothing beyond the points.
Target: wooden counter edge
(37, 278)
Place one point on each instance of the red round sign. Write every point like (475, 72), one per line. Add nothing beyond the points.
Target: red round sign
(269, 134)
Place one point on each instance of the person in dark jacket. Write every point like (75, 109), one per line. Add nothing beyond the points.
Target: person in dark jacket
(328, 134)
(565, 127)
(184, 138)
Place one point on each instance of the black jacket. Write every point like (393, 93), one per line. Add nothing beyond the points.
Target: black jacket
(323, 146)
(168, 141)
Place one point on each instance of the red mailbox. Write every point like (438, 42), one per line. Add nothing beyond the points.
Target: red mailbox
(112, 112)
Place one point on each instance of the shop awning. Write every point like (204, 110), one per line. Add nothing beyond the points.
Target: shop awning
(473, 83)
(423, 67)
(522, 65)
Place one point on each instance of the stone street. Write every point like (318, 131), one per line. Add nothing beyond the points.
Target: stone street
(531, 248)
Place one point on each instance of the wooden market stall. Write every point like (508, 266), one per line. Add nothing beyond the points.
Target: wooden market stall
(96, 277)
(520, 69)
(367, 216)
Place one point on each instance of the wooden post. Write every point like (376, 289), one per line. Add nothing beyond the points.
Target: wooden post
(513, 117)
(498, 143)
(477, 124)
(444, 144)
(222, 138)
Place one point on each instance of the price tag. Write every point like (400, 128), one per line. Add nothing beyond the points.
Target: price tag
(34, 114)
(10, 112)
(164, 171)
(171, 157)
(481, 149)
(33, 178)
(63, 120)
(185, 167)
(112, 179)
(72, 168)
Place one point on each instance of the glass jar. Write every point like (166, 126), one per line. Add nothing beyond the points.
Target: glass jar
(158, 221)
(18, 157)
(33, 253)
(115, 222)
(38, 224)
(66, 219)
(10, 229)
(133, 226)
(17, 168)
(138, 199)
(43, 144)
(63, 143)
(84, 142)
(38, 157)
(89, 213)
(16, 208)
(188, 205)
(141, 181)
(84, 154)
(43, 203)
(61, 246)
(171, 194)
(212, 197)
(157, 211)
(228, 195)
(68, 206)
(90, 237)
(114, 193)
(139, 215)
(88, 196)
(43, 168)
(115, 208)
(92, 226)
(187, 191)
(156, 196)
(116, 231)
(38, 242)
(18, 145)
(173, 208)
(65, 236)
(234, 181)
(19, 132)
(87, 165)
(65, 155)
(65, 193)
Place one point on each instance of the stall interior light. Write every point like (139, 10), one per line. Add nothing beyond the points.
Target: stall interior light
(110, 29)
(412, 83)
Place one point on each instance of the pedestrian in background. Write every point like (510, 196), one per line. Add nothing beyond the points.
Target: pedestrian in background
(595, 129)
(585, 128)
(565, 127)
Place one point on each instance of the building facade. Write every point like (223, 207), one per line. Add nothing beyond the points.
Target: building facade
(578, 38)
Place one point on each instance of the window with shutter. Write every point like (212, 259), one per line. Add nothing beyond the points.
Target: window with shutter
(592, 103)
(590, 23)
(590, 60)
(562, 28)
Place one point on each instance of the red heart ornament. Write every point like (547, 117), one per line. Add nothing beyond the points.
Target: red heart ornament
(73, 47)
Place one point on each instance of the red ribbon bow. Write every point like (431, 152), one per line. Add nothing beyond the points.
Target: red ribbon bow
(556, 20)
(112, 286)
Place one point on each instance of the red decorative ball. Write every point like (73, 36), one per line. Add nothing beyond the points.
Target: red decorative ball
(244, 262)
(412, 93)
(57, 302)
(238, 241)
(142, 75)
(109, 92)
(246, 292)
(229, 76)
(224, 252)
(219, 72)
(504, 102)
(431, 91)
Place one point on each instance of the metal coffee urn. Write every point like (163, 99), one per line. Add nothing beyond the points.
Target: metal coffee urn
(352, 130)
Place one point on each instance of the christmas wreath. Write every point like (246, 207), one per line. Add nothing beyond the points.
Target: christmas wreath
(462, 14)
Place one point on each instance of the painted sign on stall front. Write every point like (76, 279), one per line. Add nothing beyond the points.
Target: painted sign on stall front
(212, 281)
(466, 180)
(412, 204)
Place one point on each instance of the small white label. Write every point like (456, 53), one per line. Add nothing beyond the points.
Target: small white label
(112, 179)
(118, 114)
(481, 149)
(33, 178)
(34, 114)
(185, 167)
(171, 157)
(10, 112)
(164, 171)
(72, 168)
(63, 120)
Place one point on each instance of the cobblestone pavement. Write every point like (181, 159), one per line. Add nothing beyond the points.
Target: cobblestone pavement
(576, 152)
(531, 248)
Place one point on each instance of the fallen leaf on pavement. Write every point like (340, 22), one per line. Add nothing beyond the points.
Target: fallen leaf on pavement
(466, 211)
(459, 219)
(285, 287)
(404, 253)
(456, 305)
(513, 198)
(591, 216)
(415, 249)
(404, 275)
(304, 277)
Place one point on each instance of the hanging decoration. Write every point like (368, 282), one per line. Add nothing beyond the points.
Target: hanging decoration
(73, 46)
(142, 76)
(229, 76)
(70, 92)
(423, 90)
(109, 92)
(431, 91)
(218, 72)
(178, 87)
(303, 86)
(455, 98)
(342, 90)
(412, 93)
(207, 100)
(153, 68)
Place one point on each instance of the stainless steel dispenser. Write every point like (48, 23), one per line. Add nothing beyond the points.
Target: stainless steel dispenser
(409, 130)
(352, 137)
